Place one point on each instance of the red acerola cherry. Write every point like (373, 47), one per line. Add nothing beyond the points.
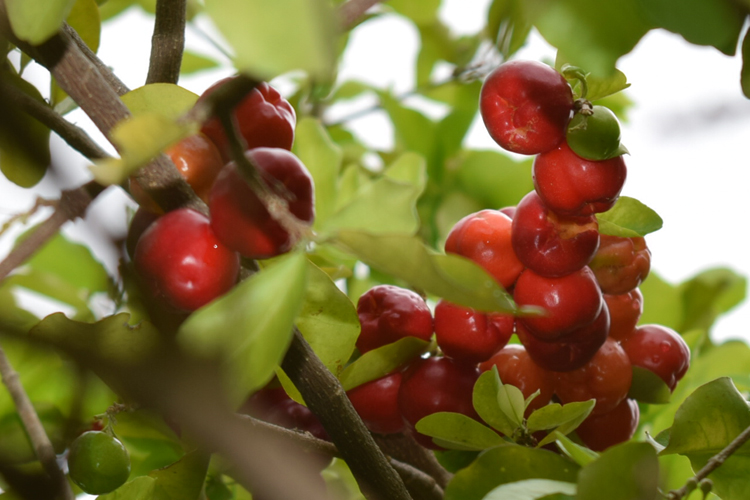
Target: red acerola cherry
(485, 238)
(599, 432)
(273, 405)
(660, 350)
(606, 378)
(570, 185)
(571, 302)
(142, 220)
(515, 367)
(625, 310)
(434, 385)
(179, 260)
(552, 245)
(238, 216)
(389, 313)
(526, 106)
(376, 403)
(264, 120)
(620, 264)
(468, 335)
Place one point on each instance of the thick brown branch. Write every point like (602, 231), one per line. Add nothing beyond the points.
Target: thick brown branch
(168, 42)
(327, 400)
(405, 448)
(43, 448)
(351, 11)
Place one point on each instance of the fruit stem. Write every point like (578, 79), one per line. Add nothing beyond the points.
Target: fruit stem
(575, 73)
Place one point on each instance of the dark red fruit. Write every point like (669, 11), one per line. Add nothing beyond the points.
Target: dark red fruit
(376, 403)
(606, 378)
(485, 238)
(180, 261)
(239, 218)
(273, 405)
(468, 335)
(621, 264)
(389, 313)
(264, 120)
(515, 367)
(552, 245)
(570, 185)
(624, 310)
(434, 385)
(660, 350)
(571, 302)
(526, 106)
(599, 432)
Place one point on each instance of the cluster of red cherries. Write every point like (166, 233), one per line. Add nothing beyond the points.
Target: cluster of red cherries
(184, 259)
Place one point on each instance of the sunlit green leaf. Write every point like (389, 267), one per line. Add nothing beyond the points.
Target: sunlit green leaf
(628, 471)
(459, 432)
(192, 63)
(35, 21)
(419, 11)
(166, 99)
(381, 361)
(710, 294)
(532, 489)
(563, 418)
(508, 26)
(662, 302)
(494, 179)
(487, 405)
(629, 218)
(579, 454)
(85, 19)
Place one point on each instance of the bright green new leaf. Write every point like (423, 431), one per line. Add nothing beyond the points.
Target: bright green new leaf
(508, 26)
(579, 454)
(381, 361)
(183, 480)
(507, 464)
(665, 305)
(451, 277)
(597, 87)
(458, 432)
(251, 326)
(166, 99)
(648, 387)
(193, 62)
(628, 471)
(709, 294)
(512, 403)
(85, 19)
(563, 418)
(35, 21)
(532, 489)
(413, 130)
(322, 157)
(409, 168)
(486, 403)
(271, 38)
(494, 179)
(419, 11)
(629, 218)
(328, 320)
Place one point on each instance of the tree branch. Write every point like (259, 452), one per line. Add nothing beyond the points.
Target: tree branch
(405, 448)
(168, 42)
(351, 11)
(43, 448)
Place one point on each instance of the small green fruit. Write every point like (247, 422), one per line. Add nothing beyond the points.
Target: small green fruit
(595, 136)
(98, 463)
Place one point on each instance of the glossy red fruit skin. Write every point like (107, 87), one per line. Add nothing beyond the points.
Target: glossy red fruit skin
(485, 238)
(264, 120)
(389, 313)
(621, 264)
(571, 302)
(515, 367)
(468, 335)
(600, 432)
(376, 403)
(625, 310)
(552, 245)
(571, 185)
(433, 385)
(606, 378)
(239, 218)
(659, 349)
(526, 106)
(273, 405)
(571, 351)
(180, 261)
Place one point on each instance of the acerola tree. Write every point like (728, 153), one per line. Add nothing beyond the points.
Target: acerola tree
(297, 315)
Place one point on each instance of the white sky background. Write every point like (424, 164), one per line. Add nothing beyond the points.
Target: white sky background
(687, 136)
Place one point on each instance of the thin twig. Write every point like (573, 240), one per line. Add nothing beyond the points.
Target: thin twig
(167, 42)
(43, 448)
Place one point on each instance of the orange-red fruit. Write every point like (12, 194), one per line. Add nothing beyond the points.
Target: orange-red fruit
(468, 335)
(620, 264)
(659, 349)
(625, 310)
(376, 403)
(599, 432)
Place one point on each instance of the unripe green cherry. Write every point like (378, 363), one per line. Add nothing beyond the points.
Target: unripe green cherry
(98, 463)
(595, 136)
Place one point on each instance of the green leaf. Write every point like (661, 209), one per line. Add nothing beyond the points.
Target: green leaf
(459, 432)
(486, 403)
(597, 87)
(322, 157)
(306, 35)
(563, 418)
(413, 130)
(494, 179)
(193, 62)
(85, 19)
(589, 33)
(420, 11)
(150, 442)
(16, 447)
(717, 23)
(451, 277)
(512, 403)
(745, 72)
(579, 454)
(166, 99)
(381, 361)
(648, 387)
(531, 489)
(629, 218)
(35, 21)
(140, 488)
(629, 471)
(709, 294)
(251, 326)
(507, 464)
(24, 142)
(508, 26)
(328, 320)
(662, 302)
(12, 317)
(182, 480)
